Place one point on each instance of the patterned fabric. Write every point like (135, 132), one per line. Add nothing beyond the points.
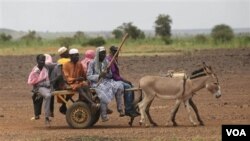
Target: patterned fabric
(107, 87)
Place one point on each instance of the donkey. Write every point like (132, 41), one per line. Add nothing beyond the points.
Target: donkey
(179, 89)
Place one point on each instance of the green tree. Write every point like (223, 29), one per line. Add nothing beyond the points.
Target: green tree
(31, 36)
(163, 28)
(132, 30)
(118, 33)
(4, 37)
(79, 37)
(222, 33)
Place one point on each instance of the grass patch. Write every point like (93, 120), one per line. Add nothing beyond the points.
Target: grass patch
(148, 46)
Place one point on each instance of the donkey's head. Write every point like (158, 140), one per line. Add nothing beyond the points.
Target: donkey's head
(212, 83)
(208, 79)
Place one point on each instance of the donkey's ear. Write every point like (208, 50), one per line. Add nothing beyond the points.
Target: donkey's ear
(204, 64)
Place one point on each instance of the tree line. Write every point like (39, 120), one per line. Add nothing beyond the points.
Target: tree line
(219, 33)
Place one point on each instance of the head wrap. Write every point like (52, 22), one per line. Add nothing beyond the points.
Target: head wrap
(99, 66)
(102, 48)
(73, 51)
(89, 55)
(61, 50)
(48, 59)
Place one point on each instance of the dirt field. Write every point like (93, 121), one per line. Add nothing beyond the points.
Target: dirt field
(231, 66)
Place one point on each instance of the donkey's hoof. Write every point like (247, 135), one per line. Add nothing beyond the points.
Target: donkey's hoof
(130, 123)
(195, 124)
(155, 124)
(202, 124)
(140, 123)
(175, 124)
(169, 123)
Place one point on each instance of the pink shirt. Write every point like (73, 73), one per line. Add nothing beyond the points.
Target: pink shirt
(37, 76)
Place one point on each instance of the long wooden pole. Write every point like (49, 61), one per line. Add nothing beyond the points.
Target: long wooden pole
(113, 58)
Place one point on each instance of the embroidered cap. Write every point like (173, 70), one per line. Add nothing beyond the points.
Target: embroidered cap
(61, 50)
(102, 48)
(73, 51)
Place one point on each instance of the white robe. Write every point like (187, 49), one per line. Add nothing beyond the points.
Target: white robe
(107, 87)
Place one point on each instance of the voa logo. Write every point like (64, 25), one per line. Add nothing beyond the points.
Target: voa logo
(236, 132)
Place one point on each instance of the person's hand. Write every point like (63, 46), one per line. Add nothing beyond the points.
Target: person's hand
(102, 74)
(126, 81)
(79, 79)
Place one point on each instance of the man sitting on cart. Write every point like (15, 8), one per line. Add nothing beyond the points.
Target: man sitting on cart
(129, 95)
(75, 77)
(101, 80)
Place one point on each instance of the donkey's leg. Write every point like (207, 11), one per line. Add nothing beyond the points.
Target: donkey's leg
(187, 106)
(171, 120)
(142, 106)
(149, 116)
(196, 111)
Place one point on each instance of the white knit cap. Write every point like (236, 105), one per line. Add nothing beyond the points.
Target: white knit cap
(102, 48)
(73, 51)
(62, 50)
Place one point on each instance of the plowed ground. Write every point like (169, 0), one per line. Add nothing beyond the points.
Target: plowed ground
(232, 67)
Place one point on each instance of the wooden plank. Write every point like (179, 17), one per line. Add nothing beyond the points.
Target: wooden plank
(64, 92)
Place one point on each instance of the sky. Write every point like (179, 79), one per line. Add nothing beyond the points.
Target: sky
(106, 15)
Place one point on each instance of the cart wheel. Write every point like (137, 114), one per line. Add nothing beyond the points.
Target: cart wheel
(78, 115)
(95, 116)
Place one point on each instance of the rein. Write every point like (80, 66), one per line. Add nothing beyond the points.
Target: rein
(198, 73)
(202, 72)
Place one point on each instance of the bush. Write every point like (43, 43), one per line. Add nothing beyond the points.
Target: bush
(167, 40)
(200, 38)
(65, 41)
(4, 37)
(98, 41)
(222, 33)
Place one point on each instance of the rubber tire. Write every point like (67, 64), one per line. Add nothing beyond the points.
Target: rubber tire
(95, 117)
(83, 110)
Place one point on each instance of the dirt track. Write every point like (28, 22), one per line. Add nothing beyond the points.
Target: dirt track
(231, 66)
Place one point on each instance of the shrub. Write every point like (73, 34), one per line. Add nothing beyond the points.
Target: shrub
(4, 37)
(167, 40)
(65, 41)
(222, 33)
(98, 41)
(200, 38)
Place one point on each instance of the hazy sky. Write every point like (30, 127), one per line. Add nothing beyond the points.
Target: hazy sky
(106, 15)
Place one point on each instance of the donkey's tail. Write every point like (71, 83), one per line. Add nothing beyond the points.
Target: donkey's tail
(140, 91)
(139, 98)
